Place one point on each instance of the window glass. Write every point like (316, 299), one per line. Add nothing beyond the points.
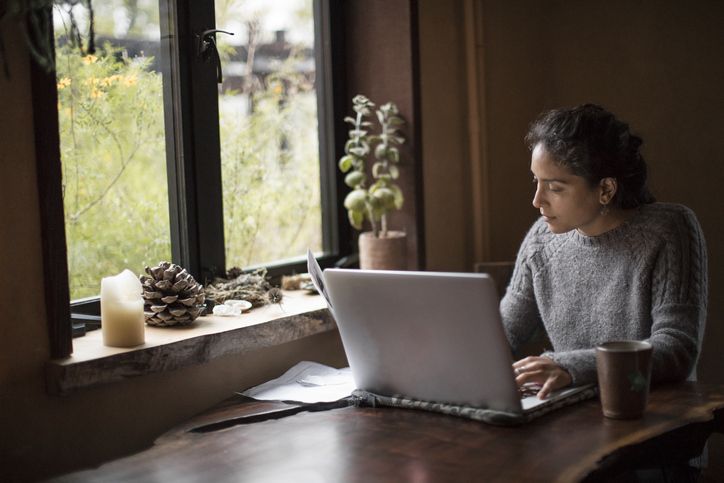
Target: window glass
(110, 107)
(269, 131)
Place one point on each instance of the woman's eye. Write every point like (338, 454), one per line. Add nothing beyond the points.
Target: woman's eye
(553, 188)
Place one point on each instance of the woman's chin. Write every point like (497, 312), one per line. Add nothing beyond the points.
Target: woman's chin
(555, 227)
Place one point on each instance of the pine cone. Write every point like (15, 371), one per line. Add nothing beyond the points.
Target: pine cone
(171, 295)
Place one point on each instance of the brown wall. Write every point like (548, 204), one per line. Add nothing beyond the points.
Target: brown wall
(446, 184)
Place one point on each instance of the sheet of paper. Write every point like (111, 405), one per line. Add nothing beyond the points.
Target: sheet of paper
(315, 272)
(307, 382)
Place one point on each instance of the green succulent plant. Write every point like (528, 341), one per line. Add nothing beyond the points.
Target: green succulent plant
(372, 199)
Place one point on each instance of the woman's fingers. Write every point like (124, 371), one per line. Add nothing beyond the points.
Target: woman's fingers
(532, 364)
(543, 371)
(548, 386)
(549, 380)
(526, 361)
(531, 376)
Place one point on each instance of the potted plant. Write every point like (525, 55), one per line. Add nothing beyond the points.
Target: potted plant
(373, 198)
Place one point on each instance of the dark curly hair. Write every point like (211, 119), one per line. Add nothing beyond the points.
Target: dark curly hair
(592, 143)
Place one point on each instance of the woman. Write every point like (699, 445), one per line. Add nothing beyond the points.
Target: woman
(603, 262)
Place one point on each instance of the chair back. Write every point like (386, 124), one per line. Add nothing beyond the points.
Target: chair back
(500, 272)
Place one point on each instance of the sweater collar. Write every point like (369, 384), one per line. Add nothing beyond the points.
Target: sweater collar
(608, 237)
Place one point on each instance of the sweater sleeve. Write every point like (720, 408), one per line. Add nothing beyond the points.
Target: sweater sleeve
(580, 364)
(518, 308)
(678, 299)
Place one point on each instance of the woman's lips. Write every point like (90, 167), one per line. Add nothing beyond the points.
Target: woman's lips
(547, 219)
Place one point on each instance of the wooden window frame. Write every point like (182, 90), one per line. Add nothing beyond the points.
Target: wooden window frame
(195, 207)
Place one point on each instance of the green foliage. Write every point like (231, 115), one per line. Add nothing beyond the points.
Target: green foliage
(372, 203)
(270, 172)
(114, 165)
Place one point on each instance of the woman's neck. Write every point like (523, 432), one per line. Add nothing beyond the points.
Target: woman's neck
(607, 221)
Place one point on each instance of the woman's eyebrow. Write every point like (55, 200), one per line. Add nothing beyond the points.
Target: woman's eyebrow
(551, 180)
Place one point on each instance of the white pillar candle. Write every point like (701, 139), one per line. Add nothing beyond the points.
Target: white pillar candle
(122, 322)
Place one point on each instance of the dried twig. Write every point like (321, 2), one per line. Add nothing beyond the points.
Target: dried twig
(253, 287)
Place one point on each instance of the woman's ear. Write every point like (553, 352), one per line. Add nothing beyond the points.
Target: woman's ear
(608, 190)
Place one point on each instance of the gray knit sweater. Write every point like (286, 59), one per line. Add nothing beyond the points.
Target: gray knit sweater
(644, 280)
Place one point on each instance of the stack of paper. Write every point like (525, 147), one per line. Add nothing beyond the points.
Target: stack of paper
(307, 382)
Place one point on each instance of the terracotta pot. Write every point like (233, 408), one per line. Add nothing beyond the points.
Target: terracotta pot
(389, 253)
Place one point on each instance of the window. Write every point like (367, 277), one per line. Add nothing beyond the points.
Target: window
(112, 139)
(268, 127)
(160, 160)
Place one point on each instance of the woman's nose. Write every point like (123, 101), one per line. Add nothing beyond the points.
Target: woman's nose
(537, 197)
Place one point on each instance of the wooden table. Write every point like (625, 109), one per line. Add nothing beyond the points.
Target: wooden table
(243, 440)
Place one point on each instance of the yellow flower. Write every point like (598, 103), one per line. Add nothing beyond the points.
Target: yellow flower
(108, 81)
(89, 59)
(63, 83)
(96, 93)
(129, 81)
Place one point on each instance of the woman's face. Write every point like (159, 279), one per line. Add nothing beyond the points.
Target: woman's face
(566, 201)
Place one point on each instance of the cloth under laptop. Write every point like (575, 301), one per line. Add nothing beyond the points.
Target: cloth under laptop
(490, 416)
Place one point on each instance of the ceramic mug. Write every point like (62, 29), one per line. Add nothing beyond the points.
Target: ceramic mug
(624, 376)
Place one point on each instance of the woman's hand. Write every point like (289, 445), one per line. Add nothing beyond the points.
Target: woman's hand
(543, 371)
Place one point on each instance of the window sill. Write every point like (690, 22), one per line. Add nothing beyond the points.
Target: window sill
(209, 337)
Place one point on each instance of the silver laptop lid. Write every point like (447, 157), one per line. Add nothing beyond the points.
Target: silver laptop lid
(426, 335)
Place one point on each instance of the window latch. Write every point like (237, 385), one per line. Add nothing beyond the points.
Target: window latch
(206, 49)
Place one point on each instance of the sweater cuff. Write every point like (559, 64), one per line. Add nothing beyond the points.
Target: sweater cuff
(580, 364)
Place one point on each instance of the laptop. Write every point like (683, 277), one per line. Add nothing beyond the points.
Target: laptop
(429, 336)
